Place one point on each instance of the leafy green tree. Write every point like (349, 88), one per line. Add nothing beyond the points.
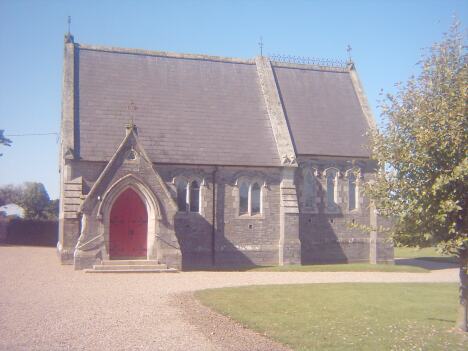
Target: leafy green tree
(4, 140)
(52, 209)
(34, 200)
(422, 152)
(10, 194)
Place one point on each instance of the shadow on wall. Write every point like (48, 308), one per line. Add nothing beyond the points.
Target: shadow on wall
(227, 254)
(319, 241)
(29, 232)
(193, 233)
(195, 236)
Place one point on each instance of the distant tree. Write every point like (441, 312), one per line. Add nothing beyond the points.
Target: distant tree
(4, 140)
(10, 194)
(422, 151)
(35, 201)
(52, 209)
(32, 197)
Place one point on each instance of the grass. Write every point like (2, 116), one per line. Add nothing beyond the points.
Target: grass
(425, 253)
(346, 316)
(350, 267)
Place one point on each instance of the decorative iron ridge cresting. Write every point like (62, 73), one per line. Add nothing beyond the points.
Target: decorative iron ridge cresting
(341, 64)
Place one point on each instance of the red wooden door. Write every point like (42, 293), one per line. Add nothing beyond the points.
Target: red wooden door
(128, 227)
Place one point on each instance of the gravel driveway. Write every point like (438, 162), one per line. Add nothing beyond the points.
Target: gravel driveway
(46, 306)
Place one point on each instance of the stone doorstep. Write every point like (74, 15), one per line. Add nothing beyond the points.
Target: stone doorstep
(130, 266)
(132, 270)
(141, 262)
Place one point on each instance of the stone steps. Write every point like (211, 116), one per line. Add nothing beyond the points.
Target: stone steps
(131, 262)
(130, 266)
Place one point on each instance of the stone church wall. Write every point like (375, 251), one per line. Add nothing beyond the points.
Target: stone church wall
(252, 240)
(248, 240)
(238, 240)
(332, 236)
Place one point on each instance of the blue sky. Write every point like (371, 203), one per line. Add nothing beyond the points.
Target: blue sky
(386, 37)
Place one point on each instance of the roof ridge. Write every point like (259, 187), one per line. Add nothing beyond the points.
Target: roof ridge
(170, 54)
(311, 66)
(177, 55)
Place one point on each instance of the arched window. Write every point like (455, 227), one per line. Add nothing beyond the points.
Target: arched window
(331, 188)
(243, 199)
(188, 196)
(250, 198)
(255, 199)
(309, 190)
(194, 201)
(352, 193)
(182, 195)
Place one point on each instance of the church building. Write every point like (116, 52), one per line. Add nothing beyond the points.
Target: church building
(189, 161)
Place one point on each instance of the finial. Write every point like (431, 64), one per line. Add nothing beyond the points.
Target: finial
(260, 45)
(132, 109)
(349, 49)
(68, 36)
(131, 123)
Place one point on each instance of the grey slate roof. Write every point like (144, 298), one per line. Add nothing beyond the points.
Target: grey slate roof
(191, 111)
(201, 110)
(323, 111)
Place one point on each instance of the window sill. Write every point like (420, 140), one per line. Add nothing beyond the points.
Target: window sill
(187, 213)
(312, 210)
(332, 210)
(247, 216)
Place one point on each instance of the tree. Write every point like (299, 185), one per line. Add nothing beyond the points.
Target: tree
(34, 200)
(52, 209)
(10, 194)
(422, 153)
(4, 140)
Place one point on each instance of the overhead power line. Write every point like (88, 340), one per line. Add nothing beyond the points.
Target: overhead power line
(30, 134)
(35, 134)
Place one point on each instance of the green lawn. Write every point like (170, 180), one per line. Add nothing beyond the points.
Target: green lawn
(425, 253)
(349, 267)
(346, 316)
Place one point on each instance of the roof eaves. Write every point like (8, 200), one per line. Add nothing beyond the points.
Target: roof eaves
(324, 156)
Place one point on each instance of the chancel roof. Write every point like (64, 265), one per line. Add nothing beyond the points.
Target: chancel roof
(323, 111)
(193, 109)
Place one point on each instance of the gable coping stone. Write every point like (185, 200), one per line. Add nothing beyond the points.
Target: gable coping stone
(276, 112)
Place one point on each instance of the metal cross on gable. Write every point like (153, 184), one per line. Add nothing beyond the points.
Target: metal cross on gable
(132, 108)
(69, 24)
(349, 49)
(260, 45)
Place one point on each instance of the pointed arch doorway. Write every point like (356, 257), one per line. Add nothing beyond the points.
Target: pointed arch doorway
(128, 227)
